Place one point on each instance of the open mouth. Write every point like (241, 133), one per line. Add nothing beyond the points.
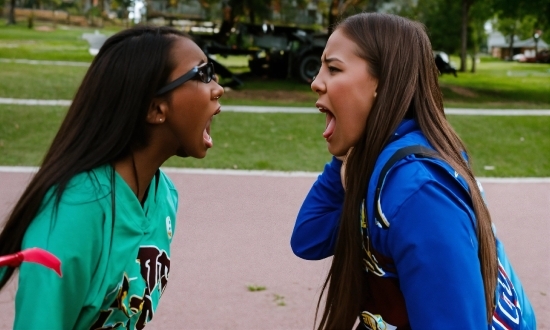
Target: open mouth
(206, 136)
(206, 133)
(330, 123)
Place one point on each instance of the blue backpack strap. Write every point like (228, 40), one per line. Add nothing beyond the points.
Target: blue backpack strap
(417, 150)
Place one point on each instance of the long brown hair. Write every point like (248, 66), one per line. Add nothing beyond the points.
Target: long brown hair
(105, 120)
(398, 52)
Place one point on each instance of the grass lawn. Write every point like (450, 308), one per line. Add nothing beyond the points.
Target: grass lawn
(514, 146)
(496, 84)
(499, 84)
(51, 82)
(64, 43)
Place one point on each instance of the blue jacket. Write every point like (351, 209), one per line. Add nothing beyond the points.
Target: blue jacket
(431, 240)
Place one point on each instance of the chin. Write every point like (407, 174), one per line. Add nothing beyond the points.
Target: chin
(182, 153)
(197, 154)
(335, 151)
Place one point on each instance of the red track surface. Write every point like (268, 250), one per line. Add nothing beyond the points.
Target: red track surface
(234, 231)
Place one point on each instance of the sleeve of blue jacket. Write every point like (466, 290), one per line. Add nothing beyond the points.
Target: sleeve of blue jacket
(432, 241)
(316, 226)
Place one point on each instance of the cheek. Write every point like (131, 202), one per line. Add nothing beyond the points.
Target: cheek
(191, 111)
(353, 126)
(353, 107)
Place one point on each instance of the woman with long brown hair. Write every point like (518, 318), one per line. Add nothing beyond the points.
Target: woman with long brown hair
(398, 206)
(99, 202)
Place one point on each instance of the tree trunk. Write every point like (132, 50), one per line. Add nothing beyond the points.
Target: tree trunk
(474, 59)
(511, 49)
(512, 35)
(11, 15)
(332, 15)
(464, 34)
(372, 6)
(227, 24)
(252, 16)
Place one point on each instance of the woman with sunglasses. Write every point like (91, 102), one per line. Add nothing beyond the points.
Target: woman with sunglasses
(411, 238)
(99, 201)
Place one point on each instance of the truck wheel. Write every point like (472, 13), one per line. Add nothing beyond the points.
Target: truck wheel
(309, 67)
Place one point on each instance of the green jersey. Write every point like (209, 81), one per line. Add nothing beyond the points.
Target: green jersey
(113, 274)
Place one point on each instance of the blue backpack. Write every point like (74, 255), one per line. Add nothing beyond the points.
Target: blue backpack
(513, 311)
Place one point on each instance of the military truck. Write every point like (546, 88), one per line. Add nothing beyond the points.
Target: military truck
(273, 51)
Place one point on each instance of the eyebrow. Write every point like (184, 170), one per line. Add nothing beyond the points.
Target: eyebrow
(331, 59)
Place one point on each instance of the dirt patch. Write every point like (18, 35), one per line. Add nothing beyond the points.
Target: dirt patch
(44, 28)
(462, 91)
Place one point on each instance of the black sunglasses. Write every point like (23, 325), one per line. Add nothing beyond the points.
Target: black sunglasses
(204, 72)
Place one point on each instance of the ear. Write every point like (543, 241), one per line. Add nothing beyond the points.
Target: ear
(157, 112)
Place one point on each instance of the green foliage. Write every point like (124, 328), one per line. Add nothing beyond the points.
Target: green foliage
(443, 20)
(523, 28)
(525, 15)
(255, 10)
(94, 11)
(407, 8)
(480, 12)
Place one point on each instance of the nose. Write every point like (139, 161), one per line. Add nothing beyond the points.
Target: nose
(218, 91)
(316, 84)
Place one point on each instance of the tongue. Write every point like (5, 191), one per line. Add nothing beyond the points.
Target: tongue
(330, 126)
(207, 139)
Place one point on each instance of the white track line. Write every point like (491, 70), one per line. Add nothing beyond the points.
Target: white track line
(263, 109)
(35, 102)
(296, 174)
(37, 62)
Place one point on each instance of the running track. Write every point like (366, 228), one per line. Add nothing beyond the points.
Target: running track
(234, 230)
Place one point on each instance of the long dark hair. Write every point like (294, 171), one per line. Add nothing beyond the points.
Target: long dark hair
(398, 53)
(105, 120)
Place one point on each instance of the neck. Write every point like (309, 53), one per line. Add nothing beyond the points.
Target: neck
(137, 169)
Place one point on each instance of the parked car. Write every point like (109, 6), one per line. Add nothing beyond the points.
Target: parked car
(543, 56)
(519, 58)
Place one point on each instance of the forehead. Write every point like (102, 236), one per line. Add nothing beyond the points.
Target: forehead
(186, 54)
(341, 47)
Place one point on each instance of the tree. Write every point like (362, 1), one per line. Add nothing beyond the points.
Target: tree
(512, 27)
(465, 8)
(442, 19)
(510, 15)
(250, 8)
(11, 14)
(342, 8)
(480, 13)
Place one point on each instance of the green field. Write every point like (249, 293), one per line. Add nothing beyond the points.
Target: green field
(499, 84)
(499, 146)
(514, 146)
